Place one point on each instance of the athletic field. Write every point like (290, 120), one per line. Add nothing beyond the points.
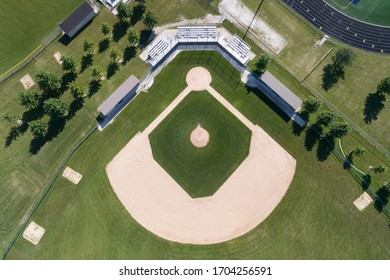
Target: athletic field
(315, 220)
(25, 24)
(377, 12)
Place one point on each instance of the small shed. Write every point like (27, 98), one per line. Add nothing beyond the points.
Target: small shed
(120, 97)
(78, 19)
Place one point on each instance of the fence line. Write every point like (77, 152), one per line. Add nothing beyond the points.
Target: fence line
(45, 191)
(45, 42)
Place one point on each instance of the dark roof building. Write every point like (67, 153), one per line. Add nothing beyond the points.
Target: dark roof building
(78, 19)
(280, 94)
(119, 98)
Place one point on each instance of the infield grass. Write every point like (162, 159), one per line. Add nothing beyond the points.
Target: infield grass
(200, 171)
(376, 12)
(315, 220)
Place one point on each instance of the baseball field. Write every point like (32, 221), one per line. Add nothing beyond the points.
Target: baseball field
(315, 220)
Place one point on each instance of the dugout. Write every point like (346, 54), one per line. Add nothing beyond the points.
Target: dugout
(120, 97)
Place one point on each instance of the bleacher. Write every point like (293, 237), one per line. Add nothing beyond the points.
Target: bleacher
(158, 49)
(197, 33)
(239, 49)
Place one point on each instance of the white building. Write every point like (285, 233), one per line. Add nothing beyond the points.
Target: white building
(111, 4)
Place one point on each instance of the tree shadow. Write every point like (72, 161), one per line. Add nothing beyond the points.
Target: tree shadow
(383, 195)
(138, 12)
(331, 76)
(366, 181)
(94, 87)
(145, 37)
(128, 54)
(112, 68)
(74, 107)
(104, 44)
(12, 136)
(313, 135)
(259, 94)
(119, 30)
(297, 129)
(66, 79)
(374, 104)
(325, 148)
(86, 62)
(55, 127)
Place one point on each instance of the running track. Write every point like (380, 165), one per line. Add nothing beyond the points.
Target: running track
(352, 32)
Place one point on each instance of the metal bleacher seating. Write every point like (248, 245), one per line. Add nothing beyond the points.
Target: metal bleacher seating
(197, 33)
(158, 49)
(237, 47)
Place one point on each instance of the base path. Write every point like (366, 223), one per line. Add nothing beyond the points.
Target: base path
(159, 204)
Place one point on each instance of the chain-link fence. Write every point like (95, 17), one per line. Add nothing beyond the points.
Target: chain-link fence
(46, 190)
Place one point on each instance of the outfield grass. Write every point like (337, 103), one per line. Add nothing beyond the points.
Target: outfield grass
(376, 12)
(24, 24)
(315, 220)
(200, 171)
(24, 174)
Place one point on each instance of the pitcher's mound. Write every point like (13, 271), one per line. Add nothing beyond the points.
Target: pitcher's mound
(200, 137)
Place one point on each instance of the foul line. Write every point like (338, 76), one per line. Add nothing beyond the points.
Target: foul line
(5, 73)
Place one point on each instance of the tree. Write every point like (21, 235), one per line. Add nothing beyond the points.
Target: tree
(97, 73)
(262, 63)
(106, 28)
(55, 107)
(125, 12)
(358, 151)
(38, 128)
(115, 55)
(48, 81)
(133, 37)
(150, 20)
(89, 46)
(379, 169)
(30, 100)
(141, 2)
(325, 118)
(311, 105)
(77, 90)
(343, 57)
(69, 63)
(12, 118)
(339, 129)
(384, 86)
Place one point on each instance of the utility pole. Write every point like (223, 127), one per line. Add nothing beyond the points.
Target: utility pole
(257, 11)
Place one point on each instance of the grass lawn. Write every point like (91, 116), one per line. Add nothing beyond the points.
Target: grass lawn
(200, 171)
(376, 12)
(24, 24)
(350, 95)
(315, 220)
(25, 173)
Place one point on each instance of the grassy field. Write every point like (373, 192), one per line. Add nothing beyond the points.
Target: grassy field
(24, 24)
(24, 173)
(376, 12)
(350, 95)
(200, 171)
(315, 220)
